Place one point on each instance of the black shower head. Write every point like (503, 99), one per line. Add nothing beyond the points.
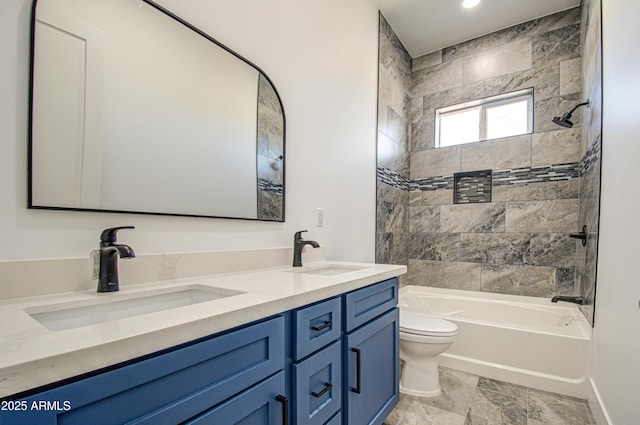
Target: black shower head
(565, 120)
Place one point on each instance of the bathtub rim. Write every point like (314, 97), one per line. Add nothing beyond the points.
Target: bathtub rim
(575, 387)
(519, 300)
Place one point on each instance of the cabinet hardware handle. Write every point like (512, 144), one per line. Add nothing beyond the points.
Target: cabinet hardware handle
(325, 326)
(358, 387)
(327, 387)
(285, 408)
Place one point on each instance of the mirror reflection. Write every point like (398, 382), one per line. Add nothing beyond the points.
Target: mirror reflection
(134, 110)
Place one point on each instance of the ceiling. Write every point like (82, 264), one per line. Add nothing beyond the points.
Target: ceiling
(424, 26)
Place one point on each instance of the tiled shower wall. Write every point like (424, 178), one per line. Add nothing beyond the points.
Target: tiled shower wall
(519, 243)
(394, 101)
(270, 152)
(590, 144)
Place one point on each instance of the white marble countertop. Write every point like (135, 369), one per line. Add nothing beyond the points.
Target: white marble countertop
(31, 355)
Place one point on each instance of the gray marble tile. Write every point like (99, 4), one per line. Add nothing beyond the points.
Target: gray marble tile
(457, 391)
(488, 384)
(393, 91)
(473, 218)
(556, 147)
(399, 253)
(452, 275)
(424, 219)
(516, 32)
(437, 197)
(525, 192)
(568, 189)
(392, 194)
(494, 408)
(452, 96)
(418, 413)
(495, 248)
(267, 95)
(435, 162)
(531, 281)
(501, 60)
(437, 78)
(566, 281)
(426, 61)
(553, 249)
(556, 46)
(555, 409)
(386, 151)
(498, 154)
(545, 82)
(545, 109)
(434, 246)
(397, 126)
(558, 216)
(422, 135)
(570, 77)
(384, 247)
(392, 217)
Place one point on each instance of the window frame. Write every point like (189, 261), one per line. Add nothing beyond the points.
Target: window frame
(482, 105)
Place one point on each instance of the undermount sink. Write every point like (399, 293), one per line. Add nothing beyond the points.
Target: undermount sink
(329, 270)
(60, 317)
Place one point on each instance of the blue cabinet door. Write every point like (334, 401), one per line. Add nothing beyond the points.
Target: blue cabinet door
(372, 367)
(263, 404)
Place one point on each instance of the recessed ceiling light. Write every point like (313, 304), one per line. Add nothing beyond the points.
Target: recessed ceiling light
(470, 3)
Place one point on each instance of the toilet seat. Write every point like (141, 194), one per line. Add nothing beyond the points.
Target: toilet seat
(423, 324)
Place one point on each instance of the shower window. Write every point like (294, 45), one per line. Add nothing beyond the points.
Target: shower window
(509, 114)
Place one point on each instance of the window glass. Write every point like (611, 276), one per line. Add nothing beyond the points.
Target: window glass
(509, 114)
(459, 127)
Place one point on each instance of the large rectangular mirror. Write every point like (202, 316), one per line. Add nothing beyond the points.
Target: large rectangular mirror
(134, 110)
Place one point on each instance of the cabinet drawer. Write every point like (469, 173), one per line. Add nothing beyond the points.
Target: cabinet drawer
(171, 387)
(316, 326)
(317, 387)
(367, 303)
(260, 405)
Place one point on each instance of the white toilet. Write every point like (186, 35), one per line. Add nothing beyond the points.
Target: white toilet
(422, 339)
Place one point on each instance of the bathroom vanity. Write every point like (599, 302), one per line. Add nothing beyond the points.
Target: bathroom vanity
(318, 347)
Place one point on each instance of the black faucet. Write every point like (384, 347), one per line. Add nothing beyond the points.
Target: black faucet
(569, 299)
(298, 245)
(109, 253)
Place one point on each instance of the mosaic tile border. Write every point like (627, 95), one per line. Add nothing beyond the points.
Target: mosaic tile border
(523, 175)
(591, 156)
(265, 185)
(393, 178)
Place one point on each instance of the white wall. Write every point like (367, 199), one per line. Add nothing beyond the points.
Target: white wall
(616, 346)
(321, 56)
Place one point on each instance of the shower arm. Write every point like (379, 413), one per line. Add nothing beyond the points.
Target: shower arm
(577, 106)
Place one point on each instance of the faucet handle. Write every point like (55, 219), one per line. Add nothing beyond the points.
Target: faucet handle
(109, 235)
(298, 235)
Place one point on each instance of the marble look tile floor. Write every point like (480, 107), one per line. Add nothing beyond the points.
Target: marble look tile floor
(468, 399)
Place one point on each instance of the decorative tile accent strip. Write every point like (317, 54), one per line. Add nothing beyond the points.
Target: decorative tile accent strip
(539, 174)
(392, 178)
(265, 185)
(472, 187)
(591, 156)
(431, 183)
(548, 173)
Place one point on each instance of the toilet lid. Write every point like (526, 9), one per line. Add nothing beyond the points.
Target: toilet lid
(423, 324)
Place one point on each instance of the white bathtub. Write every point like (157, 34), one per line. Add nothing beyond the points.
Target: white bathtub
(524, 340)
